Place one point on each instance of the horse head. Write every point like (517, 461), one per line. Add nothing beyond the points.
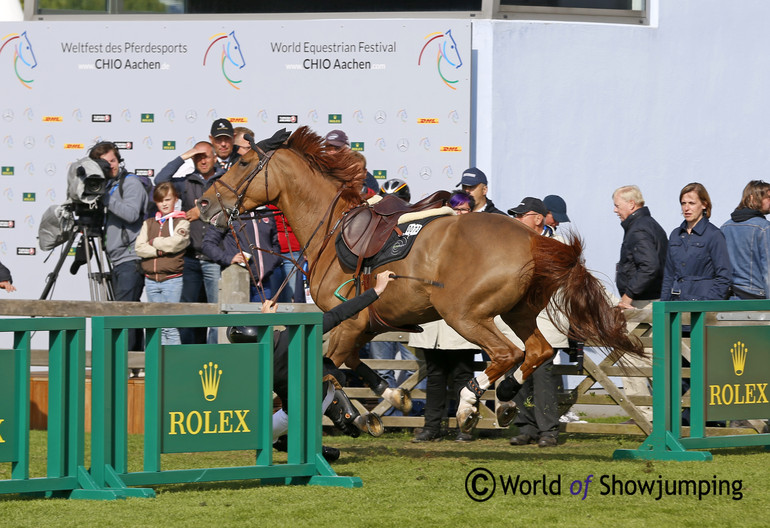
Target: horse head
(236, 191)
(22, 52)
(448, 53)
(307, 169)
(25, 52)
(234, 53)
(231, 53)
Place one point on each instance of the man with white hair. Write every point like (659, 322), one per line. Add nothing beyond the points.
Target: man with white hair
(639, 272)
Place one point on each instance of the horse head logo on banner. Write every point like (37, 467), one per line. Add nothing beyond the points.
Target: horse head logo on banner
(22, 52)
(447, 55)
(231, 55)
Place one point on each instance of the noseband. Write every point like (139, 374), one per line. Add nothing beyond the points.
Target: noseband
(240, 191)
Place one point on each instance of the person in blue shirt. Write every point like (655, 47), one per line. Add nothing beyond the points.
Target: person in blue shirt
(748, 243)
(697, 263)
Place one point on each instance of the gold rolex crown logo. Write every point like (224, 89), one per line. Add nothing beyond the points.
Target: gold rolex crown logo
(738, 352)
(210, 376)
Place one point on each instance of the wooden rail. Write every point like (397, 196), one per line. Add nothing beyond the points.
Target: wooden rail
(596, 387)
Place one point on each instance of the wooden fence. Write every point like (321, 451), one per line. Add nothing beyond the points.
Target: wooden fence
(595, 388)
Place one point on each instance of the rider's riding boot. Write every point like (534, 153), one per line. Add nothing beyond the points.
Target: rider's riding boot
(342, 414)
(331, 454)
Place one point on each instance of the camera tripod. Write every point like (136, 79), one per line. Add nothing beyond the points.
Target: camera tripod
(99, 284)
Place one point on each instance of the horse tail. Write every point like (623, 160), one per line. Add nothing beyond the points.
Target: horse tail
(581, 297)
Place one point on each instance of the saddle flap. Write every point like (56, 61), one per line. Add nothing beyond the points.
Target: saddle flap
(366, 228)
(357, 229)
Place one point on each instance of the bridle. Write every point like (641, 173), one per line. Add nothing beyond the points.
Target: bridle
(240, 192)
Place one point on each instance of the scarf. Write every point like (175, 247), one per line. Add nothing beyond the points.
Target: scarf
(173, 214)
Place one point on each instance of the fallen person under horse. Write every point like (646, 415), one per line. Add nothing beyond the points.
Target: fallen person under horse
(336, 404)
(515, 270)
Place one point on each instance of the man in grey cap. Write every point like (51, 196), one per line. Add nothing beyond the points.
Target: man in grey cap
(336, 141)
(474, 182)
(557, 213)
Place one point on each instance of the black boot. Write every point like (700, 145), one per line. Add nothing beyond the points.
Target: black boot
(342, 414)
(331, 454)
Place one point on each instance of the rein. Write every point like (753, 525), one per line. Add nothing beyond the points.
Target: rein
(240, 192)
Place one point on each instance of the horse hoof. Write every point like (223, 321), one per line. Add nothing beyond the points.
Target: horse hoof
(370, 423)
(374, 425)
(506, 412)
(467, 419)
(399, 398)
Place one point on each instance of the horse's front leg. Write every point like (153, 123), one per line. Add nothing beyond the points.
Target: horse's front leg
(344, 346)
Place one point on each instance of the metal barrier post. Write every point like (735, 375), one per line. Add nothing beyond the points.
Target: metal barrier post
(65, 472)
(209, 398)
(710, 364)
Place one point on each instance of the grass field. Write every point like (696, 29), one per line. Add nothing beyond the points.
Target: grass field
(416, 485)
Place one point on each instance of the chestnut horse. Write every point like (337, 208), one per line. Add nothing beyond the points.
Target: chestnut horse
(476, 266)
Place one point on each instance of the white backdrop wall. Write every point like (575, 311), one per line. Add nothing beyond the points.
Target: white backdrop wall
(399, 88)
(581, 109)
(576, 109)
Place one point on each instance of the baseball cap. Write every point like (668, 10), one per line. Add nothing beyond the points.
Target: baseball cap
(222, 127)
(557, 207)
(529, 204)
(338, 138)
(472, 176)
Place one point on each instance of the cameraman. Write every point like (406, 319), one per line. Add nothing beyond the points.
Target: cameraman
(126, 200)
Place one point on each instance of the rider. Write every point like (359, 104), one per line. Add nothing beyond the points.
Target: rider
(336, 404)
(398, 188)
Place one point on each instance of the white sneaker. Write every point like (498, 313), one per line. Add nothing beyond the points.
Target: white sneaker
(571, 417)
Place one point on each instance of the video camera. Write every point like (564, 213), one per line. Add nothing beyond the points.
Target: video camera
(87, 181)
(86, 185)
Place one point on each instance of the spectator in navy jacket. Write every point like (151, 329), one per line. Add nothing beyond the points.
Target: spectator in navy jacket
(697, 264)
(258, 241)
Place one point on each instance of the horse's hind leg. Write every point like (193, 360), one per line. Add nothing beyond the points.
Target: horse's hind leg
(503, 355)
(537, 351)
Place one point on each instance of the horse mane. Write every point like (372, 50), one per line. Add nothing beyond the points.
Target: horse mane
(346, 167)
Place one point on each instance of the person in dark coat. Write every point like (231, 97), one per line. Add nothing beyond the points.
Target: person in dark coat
(336, 405)
(638, 274)
(6, 281)
(697, 264)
